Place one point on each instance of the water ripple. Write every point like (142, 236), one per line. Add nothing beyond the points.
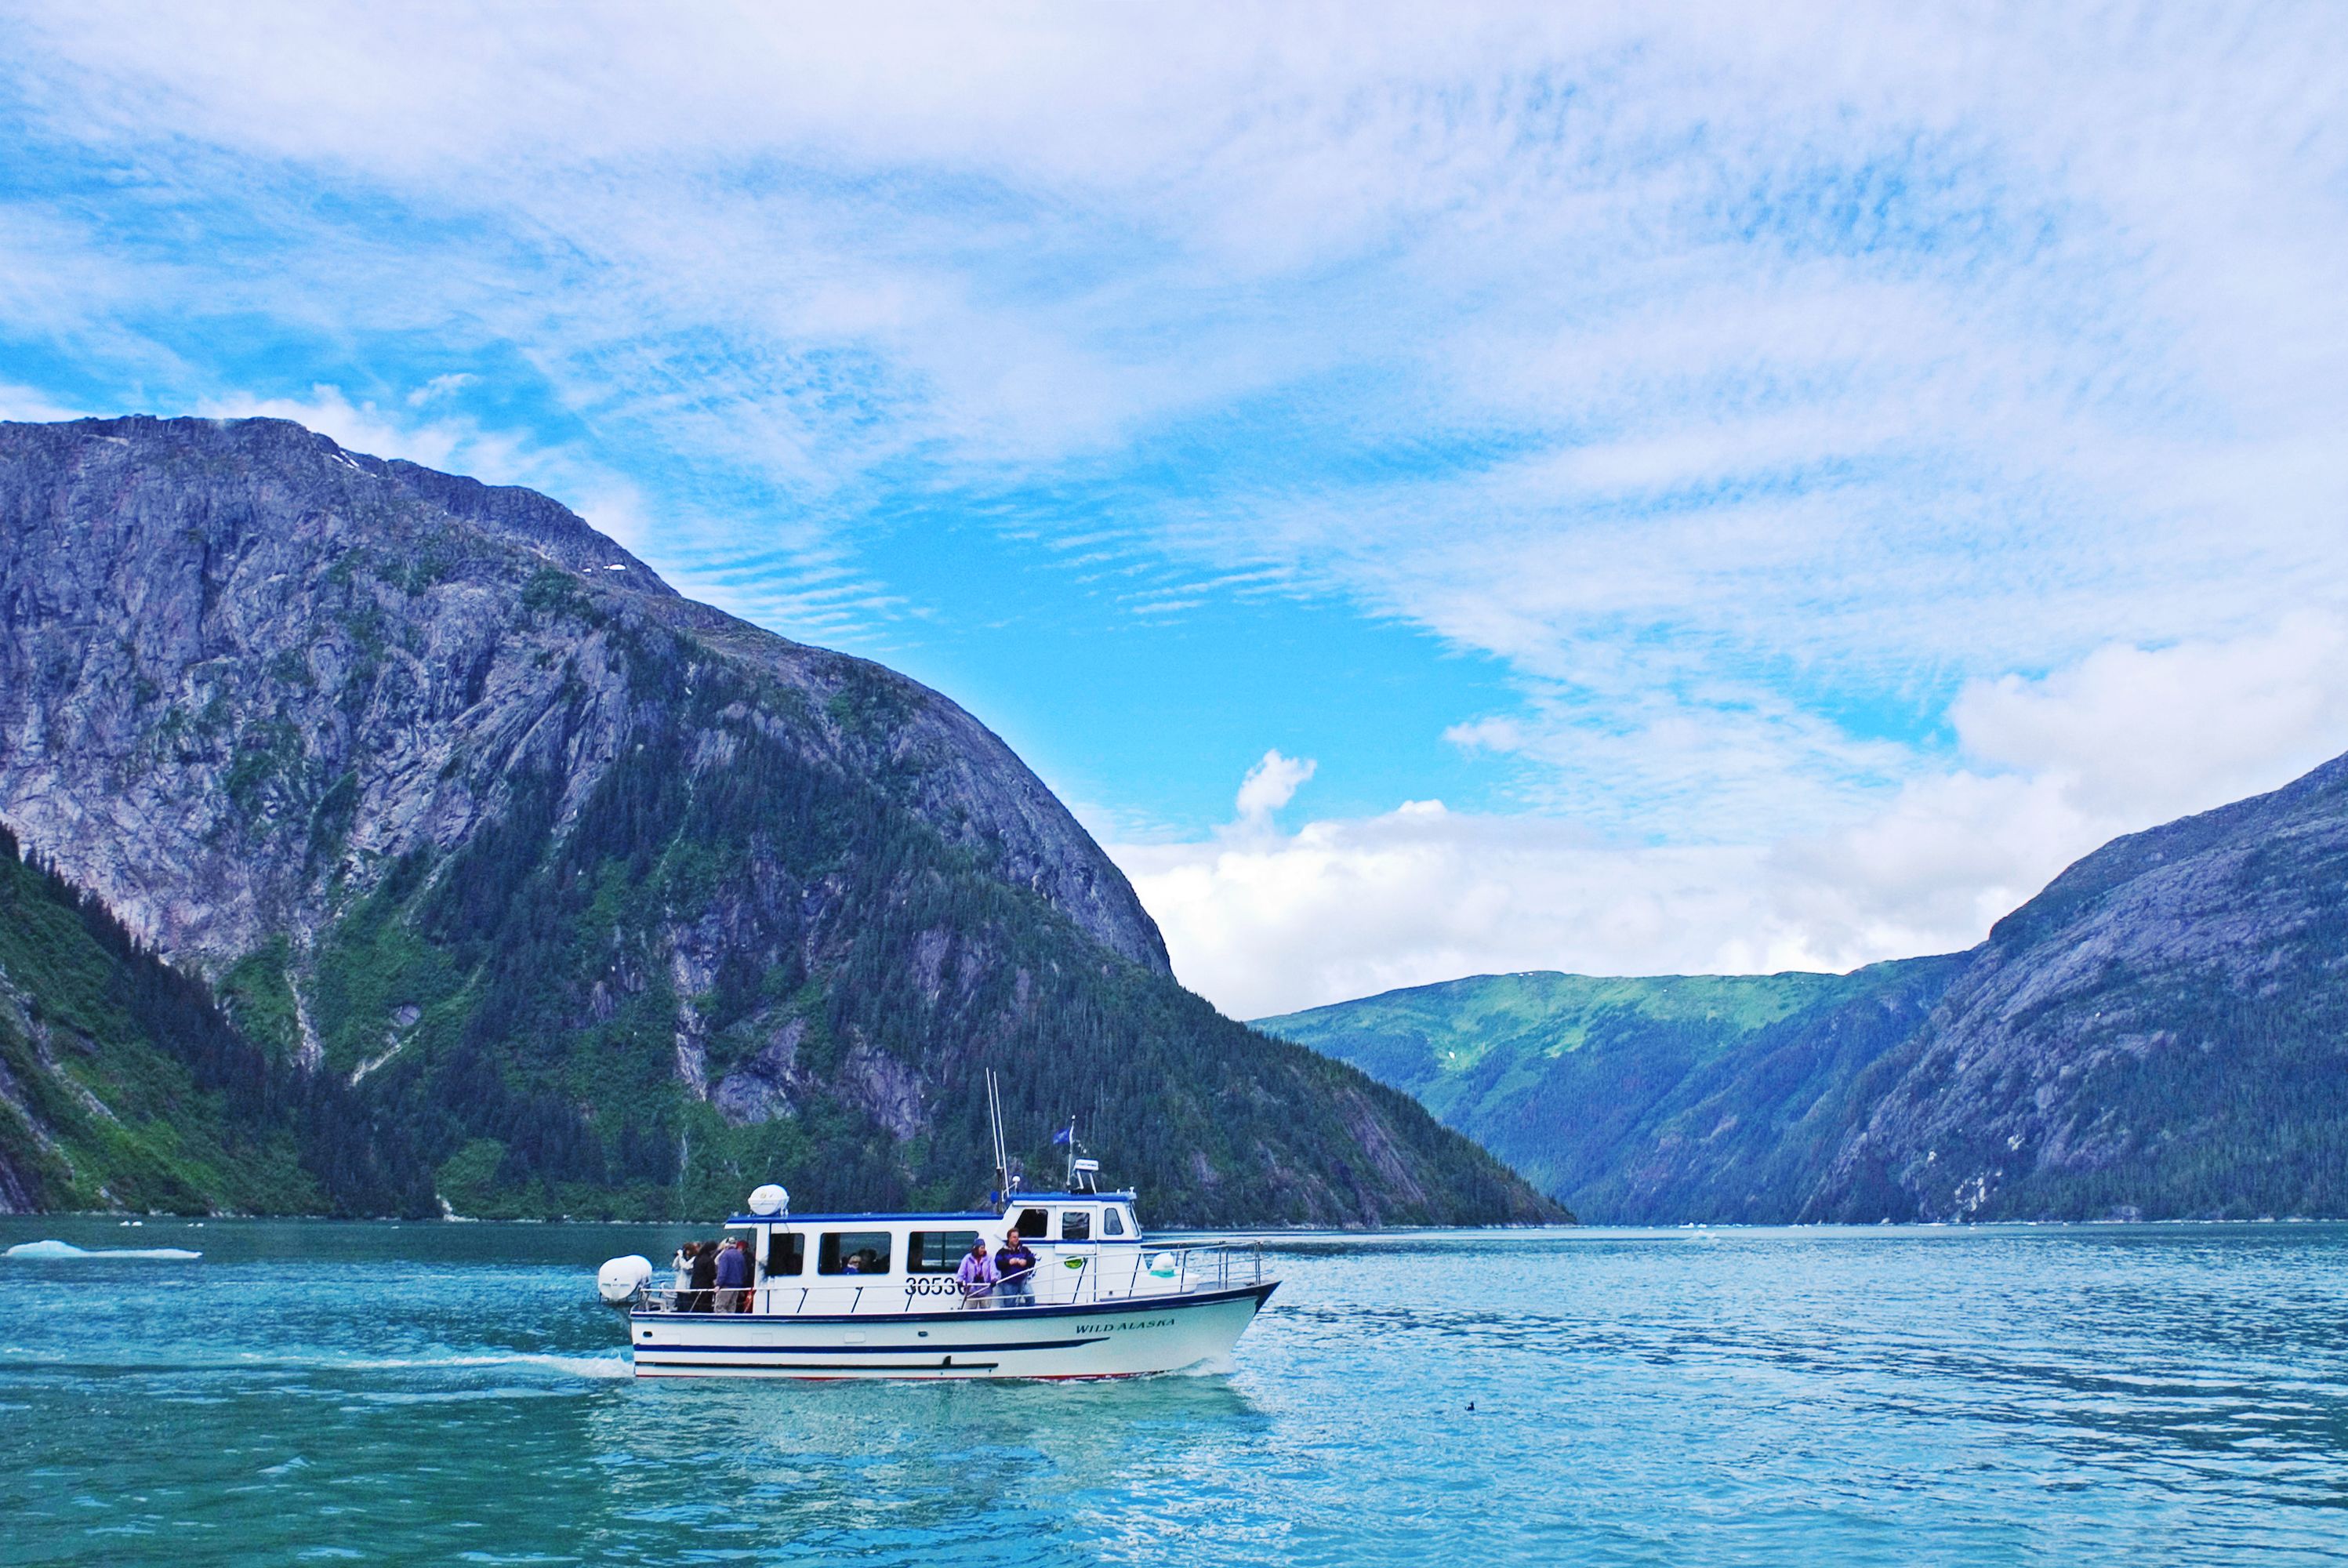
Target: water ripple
(2026, 1395)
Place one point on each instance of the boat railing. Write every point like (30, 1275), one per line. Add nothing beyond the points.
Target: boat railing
(1075, 1277)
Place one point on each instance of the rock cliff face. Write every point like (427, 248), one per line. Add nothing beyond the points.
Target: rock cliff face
(2162, 1033)
(213, 631)
(604, 900)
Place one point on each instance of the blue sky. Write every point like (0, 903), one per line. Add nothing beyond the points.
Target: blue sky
(1714, 491)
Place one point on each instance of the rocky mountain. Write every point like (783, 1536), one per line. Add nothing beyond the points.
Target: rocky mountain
(597, 900)
(2163, 1032)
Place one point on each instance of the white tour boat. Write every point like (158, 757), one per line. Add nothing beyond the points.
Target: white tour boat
(877, 1295)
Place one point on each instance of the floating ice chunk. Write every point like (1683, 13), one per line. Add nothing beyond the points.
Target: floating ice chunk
(39, 1249)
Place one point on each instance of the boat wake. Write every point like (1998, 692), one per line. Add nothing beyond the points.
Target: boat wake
(428, 1372)
(614, 1365)
(39, 1251)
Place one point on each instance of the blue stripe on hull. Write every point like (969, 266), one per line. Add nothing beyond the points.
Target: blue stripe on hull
(868, 1349)
(964, 1314)
(947, 1364)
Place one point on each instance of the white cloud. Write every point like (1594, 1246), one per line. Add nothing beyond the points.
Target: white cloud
(32, 407)
(456, 443)
(364, 427)
(1264, 922)
(1270, 784)
(2134, 734)
(440, 386)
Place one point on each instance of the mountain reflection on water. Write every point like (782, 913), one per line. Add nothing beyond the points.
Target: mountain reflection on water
(451, 1392)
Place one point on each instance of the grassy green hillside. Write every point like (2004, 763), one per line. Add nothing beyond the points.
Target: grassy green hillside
(1638, 1100)
(1493, 1036)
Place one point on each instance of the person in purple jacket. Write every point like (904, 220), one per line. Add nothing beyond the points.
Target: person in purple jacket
(976, 1274)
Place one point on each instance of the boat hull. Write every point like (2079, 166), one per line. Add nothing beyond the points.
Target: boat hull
(1122, 1338)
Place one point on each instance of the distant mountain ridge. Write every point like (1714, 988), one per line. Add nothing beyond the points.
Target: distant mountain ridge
(2162, 1033)
(594, 899)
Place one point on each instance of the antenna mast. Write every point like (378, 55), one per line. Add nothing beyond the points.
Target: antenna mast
(994, 1118)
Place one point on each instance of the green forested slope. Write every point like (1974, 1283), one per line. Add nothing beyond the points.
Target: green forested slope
(121, 1085)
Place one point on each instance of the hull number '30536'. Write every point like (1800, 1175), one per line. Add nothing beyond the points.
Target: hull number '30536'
(936, 1285)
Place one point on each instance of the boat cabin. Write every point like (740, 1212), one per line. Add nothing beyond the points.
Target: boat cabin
(1074, 1217)
(1088, 1244)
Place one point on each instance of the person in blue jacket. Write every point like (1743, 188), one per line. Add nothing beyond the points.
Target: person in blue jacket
(1015, 1268)
(733, 1277)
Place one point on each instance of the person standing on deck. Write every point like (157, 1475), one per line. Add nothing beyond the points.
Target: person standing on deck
(976, 1274)
(1015, 1269)
(732, 1276)
(704, 1275)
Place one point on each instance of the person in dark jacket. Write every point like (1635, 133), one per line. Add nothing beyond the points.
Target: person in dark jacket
(1014, 1267)
(732, 1276)
(704, 1275)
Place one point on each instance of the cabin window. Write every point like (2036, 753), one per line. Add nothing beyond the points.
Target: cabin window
(1113, 1223)
(937, 1252)
(786, 1254)
(853, 1252)
(1075, 1225)
(1033, 1224)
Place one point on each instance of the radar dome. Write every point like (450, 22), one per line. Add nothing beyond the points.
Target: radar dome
(770, 1200)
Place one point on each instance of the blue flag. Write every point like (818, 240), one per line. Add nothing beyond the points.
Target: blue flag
(1064, 1134)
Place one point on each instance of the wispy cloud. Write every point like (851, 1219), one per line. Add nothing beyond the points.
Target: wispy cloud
(1794, 402)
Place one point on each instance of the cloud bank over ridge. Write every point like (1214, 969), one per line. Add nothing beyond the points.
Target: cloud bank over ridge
(1267, 920)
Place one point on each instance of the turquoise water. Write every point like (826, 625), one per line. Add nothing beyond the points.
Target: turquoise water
(375, 1392)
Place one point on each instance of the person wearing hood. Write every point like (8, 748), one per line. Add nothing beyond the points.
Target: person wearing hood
(976, 1274)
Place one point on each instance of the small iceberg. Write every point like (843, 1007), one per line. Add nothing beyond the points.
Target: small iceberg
(37, 1250)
